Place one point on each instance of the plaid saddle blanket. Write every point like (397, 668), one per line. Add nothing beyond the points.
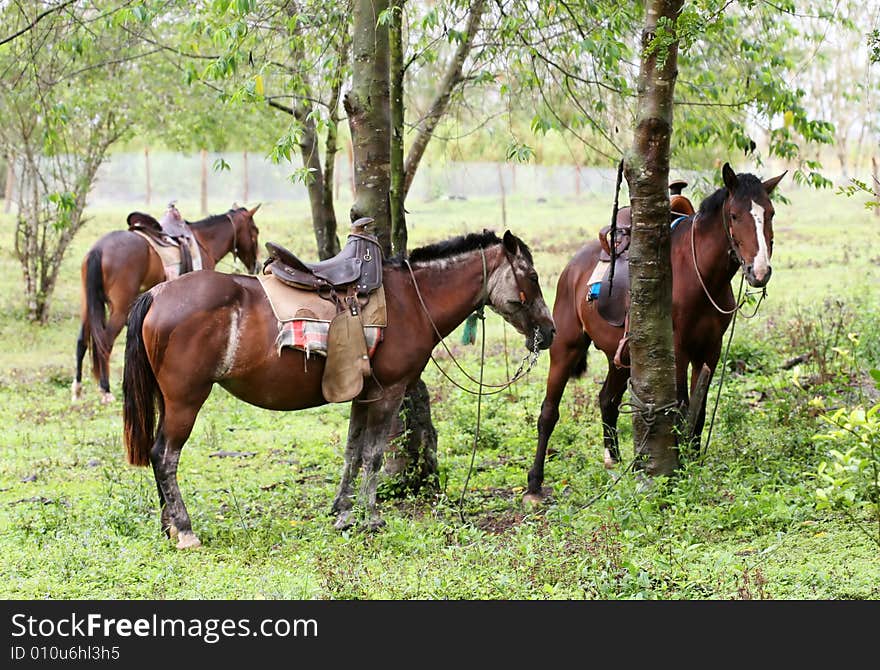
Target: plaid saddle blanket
(311, 336)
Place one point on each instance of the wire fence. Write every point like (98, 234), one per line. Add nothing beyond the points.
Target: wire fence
(152, 179)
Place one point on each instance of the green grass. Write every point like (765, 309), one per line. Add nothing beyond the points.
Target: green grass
(76, 522)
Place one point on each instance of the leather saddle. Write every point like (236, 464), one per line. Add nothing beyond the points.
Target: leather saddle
(612, 301)
(171, 231)
(349, 279)
(357, 266)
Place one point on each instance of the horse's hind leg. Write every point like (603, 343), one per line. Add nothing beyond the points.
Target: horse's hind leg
(111, 332)
(156, 455)
(344, 499)
(609, 404)
(81, 348)
(174, 430)
(565, 358)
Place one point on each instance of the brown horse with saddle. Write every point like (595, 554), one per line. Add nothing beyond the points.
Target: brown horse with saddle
(732, 230)
(124, 263)
(353, 328)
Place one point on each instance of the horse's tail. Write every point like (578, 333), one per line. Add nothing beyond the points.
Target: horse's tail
(140, 389)
(580, 365)
(94, 320)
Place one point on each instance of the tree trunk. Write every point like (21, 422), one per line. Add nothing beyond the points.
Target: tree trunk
(452, 78)
(318, 186)
(875, 174)
(331, 148)
(397, 194)
(323, 214)
(412, 458)
(368, 107)
(10, 185)
(647, 173)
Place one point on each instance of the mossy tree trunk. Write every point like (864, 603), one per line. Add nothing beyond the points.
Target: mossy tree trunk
(647, 173)
(412, 456)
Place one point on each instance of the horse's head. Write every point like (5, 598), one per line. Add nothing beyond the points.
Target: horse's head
(748, 220)
(515, 293)
(246, 244)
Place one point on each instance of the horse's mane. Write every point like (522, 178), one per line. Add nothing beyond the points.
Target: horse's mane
(747, 185)
(458, 245)
(210, 220)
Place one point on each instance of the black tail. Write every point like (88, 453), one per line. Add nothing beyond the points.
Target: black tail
(140, 390)
(580, 365)
(95, 313)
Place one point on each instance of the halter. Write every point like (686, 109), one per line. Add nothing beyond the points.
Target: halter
(733, 250)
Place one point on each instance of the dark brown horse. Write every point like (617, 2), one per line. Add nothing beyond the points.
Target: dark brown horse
(733, 229)
(210, 328)
(122, 264)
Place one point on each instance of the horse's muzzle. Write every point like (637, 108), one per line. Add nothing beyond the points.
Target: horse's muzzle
(753, 280)
(545, 336)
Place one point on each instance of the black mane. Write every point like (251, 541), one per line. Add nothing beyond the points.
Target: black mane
(210, 220)
(748, 185)
(459, 245)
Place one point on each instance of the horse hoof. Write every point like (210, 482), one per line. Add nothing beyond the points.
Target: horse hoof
(107, 398)
(188, 540)
(343, 521)
(610, 461)
(533, 499)
(75, 391)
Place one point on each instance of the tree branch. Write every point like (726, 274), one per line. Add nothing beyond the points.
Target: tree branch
(39, 18)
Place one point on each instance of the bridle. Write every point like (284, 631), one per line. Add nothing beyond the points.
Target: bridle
(531, 357)
(522, 293)
(234, 239)
(733, 250)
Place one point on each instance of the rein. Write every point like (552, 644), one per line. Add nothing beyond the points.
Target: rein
(480, 312)
(234, 241)
(531, 357)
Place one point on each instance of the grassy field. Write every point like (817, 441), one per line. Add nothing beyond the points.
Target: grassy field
(77, 522)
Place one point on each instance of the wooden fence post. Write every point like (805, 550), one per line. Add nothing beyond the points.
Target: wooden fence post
(204, 182)
(149, 185)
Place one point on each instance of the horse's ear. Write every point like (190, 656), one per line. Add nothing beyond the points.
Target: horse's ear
(770, 184)
(729, 177)
(254, 210)
(510, 242)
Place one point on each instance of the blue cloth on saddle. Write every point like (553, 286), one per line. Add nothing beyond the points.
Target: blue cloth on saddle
(677, 221)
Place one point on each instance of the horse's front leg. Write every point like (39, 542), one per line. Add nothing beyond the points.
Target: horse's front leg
(380, 419)
(342, 503)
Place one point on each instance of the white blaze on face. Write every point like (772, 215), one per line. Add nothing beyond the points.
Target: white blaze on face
(762, 258)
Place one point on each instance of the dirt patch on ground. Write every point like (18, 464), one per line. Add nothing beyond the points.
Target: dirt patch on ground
(497, 523)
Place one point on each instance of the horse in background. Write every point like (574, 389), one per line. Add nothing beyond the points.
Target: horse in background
(122, 264)
(733, 230)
